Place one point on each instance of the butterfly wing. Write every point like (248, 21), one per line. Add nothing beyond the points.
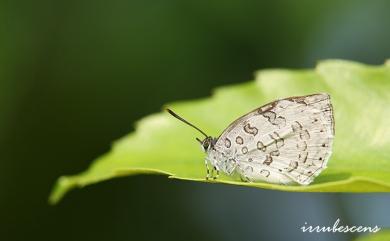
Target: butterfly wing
(288, 139)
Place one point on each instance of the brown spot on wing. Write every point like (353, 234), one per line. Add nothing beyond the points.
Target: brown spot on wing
(264, 172)
(298, 99)
(239, 140)
(250, 130)
(302, 146)
(278, 140)
(280, 121)
(267, 107)
(296, 126)
(293, 165)
(268, 160)
(228, 143)
(270, 115)
(302, 157)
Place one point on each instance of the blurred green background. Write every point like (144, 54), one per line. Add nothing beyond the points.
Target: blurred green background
(76, 75)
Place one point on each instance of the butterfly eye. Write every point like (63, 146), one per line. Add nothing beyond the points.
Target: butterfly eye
(206, 145)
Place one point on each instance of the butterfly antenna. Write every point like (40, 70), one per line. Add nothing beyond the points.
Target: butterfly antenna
(183, 120)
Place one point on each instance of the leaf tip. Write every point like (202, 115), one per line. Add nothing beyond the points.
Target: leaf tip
(61, 187)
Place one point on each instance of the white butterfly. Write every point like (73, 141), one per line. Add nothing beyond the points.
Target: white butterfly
(285, 141)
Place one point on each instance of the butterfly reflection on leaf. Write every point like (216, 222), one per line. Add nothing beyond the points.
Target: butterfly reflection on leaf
(286, 141)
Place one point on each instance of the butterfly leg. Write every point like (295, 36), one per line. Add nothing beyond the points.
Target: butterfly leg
(207, 168)
(217, 171)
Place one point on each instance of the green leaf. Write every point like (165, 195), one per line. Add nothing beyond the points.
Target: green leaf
(383, 235)
(360, 161)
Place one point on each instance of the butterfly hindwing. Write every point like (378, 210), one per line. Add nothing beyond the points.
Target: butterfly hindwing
(286, 140)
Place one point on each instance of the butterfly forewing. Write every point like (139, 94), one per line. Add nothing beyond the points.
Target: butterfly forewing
(283, 141)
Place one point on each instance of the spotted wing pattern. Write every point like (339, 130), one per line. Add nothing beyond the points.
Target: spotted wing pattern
(288, 140)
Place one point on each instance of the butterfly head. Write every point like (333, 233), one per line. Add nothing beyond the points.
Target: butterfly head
(207, 143)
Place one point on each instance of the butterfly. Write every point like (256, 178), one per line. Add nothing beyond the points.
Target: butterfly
(284, 142)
